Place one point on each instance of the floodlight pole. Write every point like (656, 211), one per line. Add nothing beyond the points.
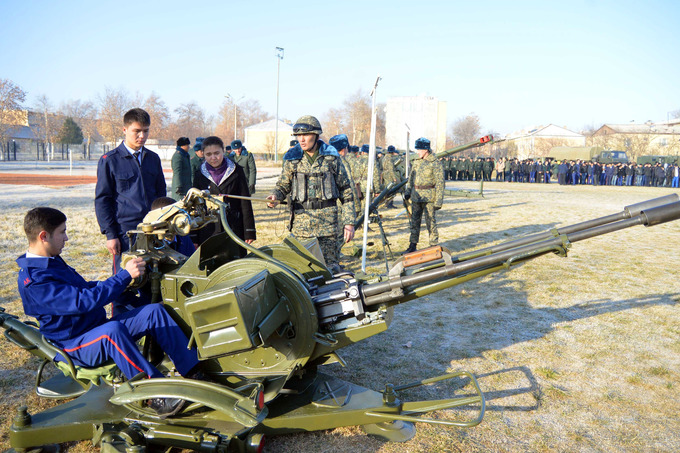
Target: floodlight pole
(229, 96)
(369, 177)
(279, 57)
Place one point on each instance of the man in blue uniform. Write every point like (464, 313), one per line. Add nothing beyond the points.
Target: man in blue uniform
(70, 310)
(129, 179)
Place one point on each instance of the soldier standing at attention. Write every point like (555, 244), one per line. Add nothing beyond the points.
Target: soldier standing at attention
(425, 188)
(240, 155)
(315, 177)
(181, 169)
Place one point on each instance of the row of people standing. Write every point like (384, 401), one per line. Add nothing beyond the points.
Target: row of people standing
(619, 174)
(467, 168)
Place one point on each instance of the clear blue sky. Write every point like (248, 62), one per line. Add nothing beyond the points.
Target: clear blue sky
(513, 63)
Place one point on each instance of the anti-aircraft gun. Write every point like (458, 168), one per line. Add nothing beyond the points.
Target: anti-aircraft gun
(263, 327)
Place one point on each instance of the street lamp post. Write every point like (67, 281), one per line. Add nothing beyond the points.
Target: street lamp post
(229, 96)
(279, 57)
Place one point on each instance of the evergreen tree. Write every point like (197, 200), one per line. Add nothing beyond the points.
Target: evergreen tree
(70, 132)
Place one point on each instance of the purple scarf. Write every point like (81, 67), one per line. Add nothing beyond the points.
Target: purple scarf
(217, 173)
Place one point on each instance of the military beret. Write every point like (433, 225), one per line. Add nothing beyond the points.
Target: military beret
(364, 148)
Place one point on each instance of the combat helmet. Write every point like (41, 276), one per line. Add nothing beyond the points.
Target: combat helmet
(307, 124)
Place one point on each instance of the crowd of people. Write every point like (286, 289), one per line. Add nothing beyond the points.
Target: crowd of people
(565, 172)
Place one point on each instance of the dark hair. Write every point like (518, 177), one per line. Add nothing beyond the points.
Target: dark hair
(212, 140)
(42, 219)
(183, 141)
(161, 202)
(137, 115)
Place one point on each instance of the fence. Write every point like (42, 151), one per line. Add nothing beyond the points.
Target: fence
(39, 150)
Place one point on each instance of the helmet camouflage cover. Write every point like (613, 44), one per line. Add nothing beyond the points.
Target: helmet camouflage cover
(307, 124)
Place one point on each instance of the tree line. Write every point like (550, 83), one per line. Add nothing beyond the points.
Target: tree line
(78, 121)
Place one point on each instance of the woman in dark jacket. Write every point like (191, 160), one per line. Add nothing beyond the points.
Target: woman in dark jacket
(223, 176)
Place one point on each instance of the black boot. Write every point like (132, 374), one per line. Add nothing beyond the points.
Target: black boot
(166, 407)
(411, 248)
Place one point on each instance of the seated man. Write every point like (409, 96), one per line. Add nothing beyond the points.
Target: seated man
(71, 312)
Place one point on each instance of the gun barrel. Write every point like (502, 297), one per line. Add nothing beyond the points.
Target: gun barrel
(466, 146)
(627, 213)
(647, 213)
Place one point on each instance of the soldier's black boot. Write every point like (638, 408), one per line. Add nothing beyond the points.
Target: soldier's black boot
(411, 248)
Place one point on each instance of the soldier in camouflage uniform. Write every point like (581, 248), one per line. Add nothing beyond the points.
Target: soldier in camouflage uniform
(389, 171)
(315, 177)
(341, 144)
(426, 192)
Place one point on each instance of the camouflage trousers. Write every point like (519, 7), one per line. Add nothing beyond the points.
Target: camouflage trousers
(417, 210)
(329, 248)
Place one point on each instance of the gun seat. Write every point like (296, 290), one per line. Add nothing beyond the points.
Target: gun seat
(75, 379)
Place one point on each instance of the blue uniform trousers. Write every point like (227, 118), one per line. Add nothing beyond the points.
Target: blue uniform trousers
(116, 340)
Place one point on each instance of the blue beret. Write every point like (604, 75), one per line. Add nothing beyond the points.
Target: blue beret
(364, 148)
(391, 149)
(339, 141)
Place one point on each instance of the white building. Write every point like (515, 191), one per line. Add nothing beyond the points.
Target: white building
(419, 116)
(538, 141)
(259, 138)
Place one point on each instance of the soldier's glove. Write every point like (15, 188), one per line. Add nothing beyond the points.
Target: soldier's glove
(407, 196)
(437, 208)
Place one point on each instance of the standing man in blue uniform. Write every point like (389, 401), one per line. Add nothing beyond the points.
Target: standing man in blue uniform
(70, 310)
(129, 179)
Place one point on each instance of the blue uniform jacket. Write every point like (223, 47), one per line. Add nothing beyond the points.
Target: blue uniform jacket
(63, 302)
(125, 190)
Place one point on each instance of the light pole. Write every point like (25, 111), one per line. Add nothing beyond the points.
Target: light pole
(229, 96)
(279, 57)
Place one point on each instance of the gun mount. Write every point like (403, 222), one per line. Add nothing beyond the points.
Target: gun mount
(263, 326)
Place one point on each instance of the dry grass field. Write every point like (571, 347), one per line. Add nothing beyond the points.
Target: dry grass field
(579, 354)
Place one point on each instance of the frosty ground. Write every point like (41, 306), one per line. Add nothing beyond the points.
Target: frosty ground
(575, 354)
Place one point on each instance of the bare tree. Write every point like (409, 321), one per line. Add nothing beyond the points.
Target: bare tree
(112, 106)
(48, 125)
(12, 98)
(675, 114)
(247, 113)
(160, 117)
(333, 122)
(191, 121)
(357, 111)
(465, 129)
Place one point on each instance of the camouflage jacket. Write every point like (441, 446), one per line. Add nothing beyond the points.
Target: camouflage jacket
(426, 182)
(360, 171)
(389, 173)
(321, 221)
